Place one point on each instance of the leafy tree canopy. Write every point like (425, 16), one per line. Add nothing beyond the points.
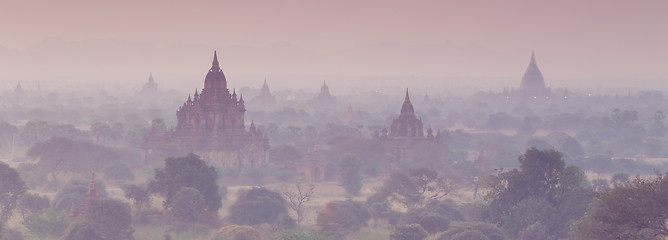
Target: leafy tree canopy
(349, 174)
(416, 187)
(342, 217)
(408, 232)
(542, 190)
(188, 171)
(187, 204)
(256, 206)
(111, 219)
(11, 189)
(632, 211)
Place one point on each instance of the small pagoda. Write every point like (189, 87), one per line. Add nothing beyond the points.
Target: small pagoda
(91, 194)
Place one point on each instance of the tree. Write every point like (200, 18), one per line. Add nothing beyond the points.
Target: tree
(416, 187)
(542, 190)
(633, 211)
(342, 217)
(140, 195)
(118, 171)
(237, 232)
(600, 184)
(572, 148)
(298, 197)
(35, 131)
(349, 174)
(408, 232)
(187, 205)
(535, 231)
(111, 219)
(294, 235)
(657, 129)
(56, 155)
(188, 171)
(32, 203)
(82, 231)
(47, 223)
(102, 131)
(620, 179)
(434, 217)
(158, 126)
(11, 189)
(284, 155)
(256, 206)
(7, 133)
(472, 231)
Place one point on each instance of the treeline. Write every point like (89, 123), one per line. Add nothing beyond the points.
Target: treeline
(542, 199)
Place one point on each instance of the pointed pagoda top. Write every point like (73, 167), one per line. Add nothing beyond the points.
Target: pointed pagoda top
(215, 79)
(324, 90)
(150, 77)
(215, 63)
(265, 87)
(407, 107)
(533, 79)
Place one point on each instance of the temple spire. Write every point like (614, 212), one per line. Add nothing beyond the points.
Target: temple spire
(407, 107)
(215, 64)
(533, 59)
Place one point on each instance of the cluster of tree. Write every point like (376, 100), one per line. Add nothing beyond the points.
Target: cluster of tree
(105, 218)
(57, 155)
(631, 210)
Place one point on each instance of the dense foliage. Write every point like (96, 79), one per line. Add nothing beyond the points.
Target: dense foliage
(11, 189)
(188, 171)
(350, 177)
(258, 205)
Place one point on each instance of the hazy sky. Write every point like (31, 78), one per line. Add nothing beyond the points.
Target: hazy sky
(573, 38)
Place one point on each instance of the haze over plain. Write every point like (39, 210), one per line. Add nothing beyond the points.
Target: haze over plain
(301, 43)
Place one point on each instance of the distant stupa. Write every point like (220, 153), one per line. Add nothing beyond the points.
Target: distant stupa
(324, 98)
(265, 96)
(533, 84)
(18, 90)
(150, 87)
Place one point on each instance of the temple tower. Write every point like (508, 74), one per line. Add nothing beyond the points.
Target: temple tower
(407, 125)
(150, 87)
(533, 84)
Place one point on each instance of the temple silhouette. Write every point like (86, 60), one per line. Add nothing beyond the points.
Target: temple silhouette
(150, 87)
(211, 124)
(406, 130)
(265, 96)
(533, 85)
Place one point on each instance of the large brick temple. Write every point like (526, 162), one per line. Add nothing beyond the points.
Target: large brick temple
(211, 124)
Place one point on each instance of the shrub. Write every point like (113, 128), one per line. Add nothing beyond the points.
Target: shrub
(187, 204)
(408, 232)
(49, 223)
(256, 206)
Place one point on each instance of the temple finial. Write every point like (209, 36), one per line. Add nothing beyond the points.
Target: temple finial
(407, 98)
(215, 63)
(533, 58)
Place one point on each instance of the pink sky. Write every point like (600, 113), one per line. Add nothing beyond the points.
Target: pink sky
(591, 39)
